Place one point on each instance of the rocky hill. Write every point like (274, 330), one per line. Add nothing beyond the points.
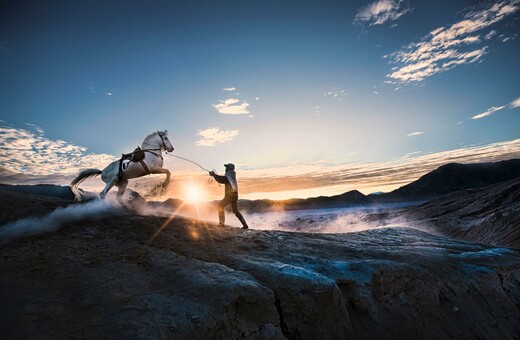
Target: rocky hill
(350, 198)
(489, 215)
(455, 176)
(15, 205)
(49, 190)
(128, 275)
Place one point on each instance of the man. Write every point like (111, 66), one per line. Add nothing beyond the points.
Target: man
(231, 194)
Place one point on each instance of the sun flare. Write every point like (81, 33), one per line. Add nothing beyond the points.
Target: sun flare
(194, 193)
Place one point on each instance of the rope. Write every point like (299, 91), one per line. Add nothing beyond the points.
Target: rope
(210, 179)
(188, 160)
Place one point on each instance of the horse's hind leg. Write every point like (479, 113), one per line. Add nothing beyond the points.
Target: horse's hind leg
(121, 186)
(108, 186)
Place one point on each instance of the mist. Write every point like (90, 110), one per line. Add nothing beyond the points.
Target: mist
(339, 220)
(334, 220)
(58, 218)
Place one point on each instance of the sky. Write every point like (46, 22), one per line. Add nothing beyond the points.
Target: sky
(307, 98)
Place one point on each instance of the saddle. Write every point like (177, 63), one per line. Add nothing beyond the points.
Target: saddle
(136, 156)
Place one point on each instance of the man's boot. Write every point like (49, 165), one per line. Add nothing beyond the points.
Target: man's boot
(242, 220)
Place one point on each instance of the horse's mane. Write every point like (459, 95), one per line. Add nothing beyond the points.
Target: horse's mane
(153, 134)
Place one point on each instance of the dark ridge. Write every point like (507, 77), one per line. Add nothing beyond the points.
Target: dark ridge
(351, 198)
(50, 190)
(453, 177)
(487, 215)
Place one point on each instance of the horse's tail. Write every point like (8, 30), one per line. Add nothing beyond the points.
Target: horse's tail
(85, 174)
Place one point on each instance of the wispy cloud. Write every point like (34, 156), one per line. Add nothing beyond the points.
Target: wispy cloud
(335, 93)
(326, 178)
(27, 153)
(379, 12)
(416, 133)
(446, 47)
(489, 112)
(514, 104)
(232, 106)
(35, 128)
(229, 89)
(504, 38)
(214, 136)
(490, 35)
(411, 154)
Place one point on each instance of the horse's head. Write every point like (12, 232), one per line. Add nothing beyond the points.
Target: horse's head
(164, 142)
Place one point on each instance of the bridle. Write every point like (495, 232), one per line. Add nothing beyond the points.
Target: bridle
(161, 134)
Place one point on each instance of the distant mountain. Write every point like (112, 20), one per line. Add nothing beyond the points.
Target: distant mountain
(172, 203)
(377, 193)
(453, 177)
(351, 198)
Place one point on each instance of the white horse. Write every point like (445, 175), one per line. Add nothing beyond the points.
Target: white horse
(118, 172)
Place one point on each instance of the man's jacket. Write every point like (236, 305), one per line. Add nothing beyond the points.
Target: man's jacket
(229, 180)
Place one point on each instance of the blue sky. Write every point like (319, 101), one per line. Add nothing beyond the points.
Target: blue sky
(269, 85)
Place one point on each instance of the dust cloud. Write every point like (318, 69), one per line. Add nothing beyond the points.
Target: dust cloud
(59, 217)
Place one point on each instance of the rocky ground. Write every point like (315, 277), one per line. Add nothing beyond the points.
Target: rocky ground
(128, 275)
(490, 215)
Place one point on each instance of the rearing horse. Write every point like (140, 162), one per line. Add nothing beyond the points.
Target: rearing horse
(117, 174)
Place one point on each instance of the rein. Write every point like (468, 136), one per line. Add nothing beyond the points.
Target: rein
(150, 151)
(188, 160)
(210, 179)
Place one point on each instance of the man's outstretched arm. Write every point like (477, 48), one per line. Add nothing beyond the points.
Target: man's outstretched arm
(218, 178)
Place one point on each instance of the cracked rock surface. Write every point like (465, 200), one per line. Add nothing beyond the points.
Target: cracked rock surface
(135, 276)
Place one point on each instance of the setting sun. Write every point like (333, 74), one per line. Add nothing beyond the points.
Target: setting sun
(194, 193)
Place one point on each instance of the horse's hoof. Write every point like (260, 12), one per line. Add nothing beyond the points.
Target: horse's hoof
(127, 206)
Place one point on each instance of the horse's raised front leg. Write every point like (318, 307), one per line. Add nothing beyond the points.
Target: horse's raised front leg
(163, 171)
(121, 186)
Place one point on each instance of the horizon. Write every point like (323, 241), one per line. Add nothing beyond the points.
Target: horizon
(195, 197)
(306, 98)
